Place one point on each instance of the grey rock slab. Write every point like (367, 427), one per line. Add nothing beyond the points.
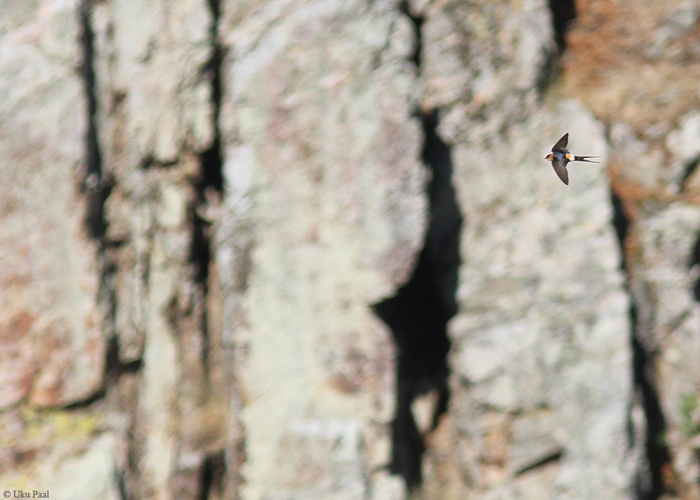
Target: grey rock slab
(155, 111)
(535, 437)
(542, 332)
(153, 86)
(684, 142)
(158, 424)
(540, 290)
(88, 475)
(669, 324)
(323, 177)
(635, 160)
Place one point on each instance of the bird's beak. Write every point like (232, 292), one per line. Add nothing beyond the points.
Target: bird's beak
(546, 157)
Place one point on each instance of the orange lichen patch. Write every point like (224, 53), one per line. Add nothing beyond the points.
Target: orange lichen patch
(444, 479)
(641, 95)
(635, 192)
(629, 63)
(496, 442)
(609, 33)
(599, 36)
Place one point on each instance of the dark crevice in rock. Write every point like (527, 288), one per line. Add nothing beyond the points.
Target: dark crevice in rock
(417, 21)
(134, 452)
(690, 168)
(150, 162)
(213, 472)
(120, 480)
(200, 250)
(649, 481)
(650, 484)
(418, 314)
(147, 162)
(419, 311)
(86, 403)
(95, 186)
(113, 370)
(200, 257)
(621, 224)
(115, 367)
(208, 190)
(695, 261)
(549, 459)
(563, 13)
(212, 160)
(209, 183)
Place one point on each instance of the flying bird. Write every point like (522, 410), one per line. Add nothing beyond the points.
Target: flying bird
(560, 157)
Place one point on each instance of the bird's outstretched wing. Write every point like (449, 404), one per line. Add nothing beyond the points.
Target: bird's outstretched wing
(561, 143)
(561, 171)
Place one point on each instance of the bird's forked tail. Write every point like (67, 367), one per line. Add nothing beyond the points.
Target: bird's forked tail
(586, 158)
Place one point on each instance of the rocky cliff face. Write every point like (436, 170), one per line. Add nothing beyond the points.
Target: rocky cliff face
(307, 250)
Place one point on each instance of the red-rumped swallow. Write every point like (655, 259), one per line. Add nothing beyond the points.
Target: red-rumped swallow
(560, 157)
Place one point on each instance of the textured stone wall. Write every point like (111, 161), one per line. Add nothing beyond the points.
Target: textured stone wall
(643, 84)
(53, 350)
(542, 372)
(237, 238)
(323, 178)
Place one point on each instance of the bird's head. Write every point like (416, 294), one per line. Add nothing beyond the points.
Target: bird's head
(549, 157)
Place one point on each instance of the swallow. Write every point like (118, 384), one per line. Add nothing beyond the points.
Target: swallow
(560, 157)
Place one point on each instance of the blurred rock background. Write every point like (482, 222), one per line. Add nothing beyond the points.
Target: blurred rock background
(310, 249)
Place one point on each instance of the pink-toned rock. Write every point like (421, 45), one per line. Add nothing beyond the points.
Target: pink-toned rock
(48, 264)
(17, 358)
